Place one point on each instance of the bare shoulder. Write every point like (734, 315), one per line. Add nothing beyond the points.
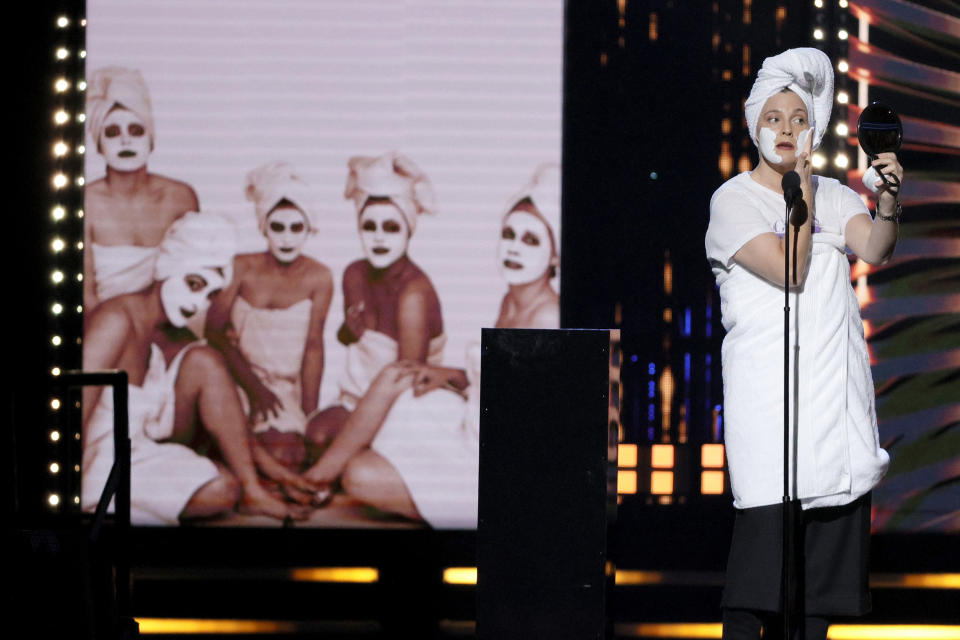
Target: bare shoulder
(545, 315)
(175, 190)
(113, 317)
(317, 273)
(355, 272)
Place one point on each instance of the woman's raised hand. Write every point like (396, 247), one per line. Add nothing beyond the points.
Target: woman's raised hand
(804, 168)
(354, 319)
(888, 165)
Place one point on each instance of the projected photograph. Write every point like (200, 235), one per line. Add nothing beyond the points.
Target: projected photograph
(298, 217)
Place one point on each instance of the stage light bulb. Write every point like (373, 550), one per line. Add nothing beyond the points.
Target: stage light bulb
(60, 149)
(61, 116)
(83, 22)
(79, 308)
(818, 4)
(57, 277)
(843, 67)
(61, 85)
(82, 85)
(79, 245)
(843, 4)
(56, 340)
(59, 181)
(818, 34)
(842, 97)
(58, 213)
(80, 213)
(53, 499)
(842, 129)
(54, 467)
(76, 468)
(62, 53)
(79, 277)
(57, 308)
(55, 371)
(76, 499)
(82, 117)
(841, 160)
(842, 34)
(83, 53)
(80, 181)
(82, 149)
(55, 405)
(55, 436)
(818, 160)
(57, 245)
(63, 22)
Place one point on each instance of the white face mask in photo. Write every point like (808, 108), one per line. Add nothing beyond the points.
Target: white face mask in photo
(384, 234)
(184, 295)
(286, 231)
(525, 250)
(124, 141)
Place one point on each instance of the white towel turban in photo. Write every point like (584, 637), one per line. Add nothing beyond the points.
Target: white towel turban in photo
(269, 184)
(543, 189)
(197, 241)
(807, 72)
(110, 87)
(394, 176)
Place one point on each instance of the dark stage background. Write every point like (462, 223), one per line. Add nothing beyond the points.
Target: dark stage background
(642, 149)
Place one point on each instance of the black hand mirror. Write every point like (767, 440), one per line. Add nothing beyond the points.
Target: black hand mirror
(879, 130)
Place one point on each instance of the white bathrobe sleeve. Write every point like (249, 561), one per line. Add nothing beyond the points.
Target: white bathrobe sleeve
(734, 220)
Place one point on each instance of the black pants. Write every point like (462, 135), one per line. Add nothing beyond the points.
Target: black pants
(742, 624)
(834, 570)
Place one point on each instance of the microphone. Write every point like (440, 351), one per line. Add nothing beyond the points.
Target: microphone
(793, 196)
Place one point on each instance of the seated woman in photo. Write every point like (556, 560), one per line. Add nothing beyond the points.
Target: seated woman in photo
(180, 393)
(391, 309)
(411, 446)
(126, 212)
(268, 322)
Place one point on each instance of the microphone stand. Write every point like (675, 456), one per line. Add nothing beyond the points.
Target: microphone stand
(788, 586)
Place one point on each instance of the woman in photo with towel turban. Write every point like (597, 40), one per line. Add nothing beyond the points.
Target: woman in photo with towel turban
(126, 212)
(839, 459)
(180, 391)
(411, 446)
(391, 309)
(275, 309)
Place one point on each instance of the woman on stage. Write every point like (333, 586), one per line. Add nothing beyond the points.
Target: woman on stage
(411, 446)
(391, 309)
(126, 212)
(268, 322)
(180, 393)
(837, 454)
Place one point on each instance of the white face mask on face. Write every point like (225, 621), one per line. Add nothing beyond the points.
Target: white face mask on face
(525, 251)
(286, 231)
(183, 295)
(124, 141)
(384, 234)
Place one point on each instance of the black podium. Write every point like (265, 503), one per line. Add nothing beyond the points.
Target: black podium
(548, 437)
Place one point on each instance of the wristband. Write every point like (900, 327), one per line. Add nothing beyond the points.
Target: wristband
(896, 215)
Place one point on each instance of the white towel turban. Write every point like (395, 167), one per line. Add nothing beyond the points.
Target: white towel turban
(269, 184)
(117, 86)
(394, 176)
(197, 241)
(543, 189)
(807, 72)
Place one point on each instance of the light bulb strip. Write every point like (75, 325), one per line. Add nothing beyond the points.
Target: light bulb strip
(64, 260)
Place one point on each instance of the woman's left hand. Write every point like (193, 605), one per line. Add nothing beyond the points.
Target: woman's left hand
(888, 165)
